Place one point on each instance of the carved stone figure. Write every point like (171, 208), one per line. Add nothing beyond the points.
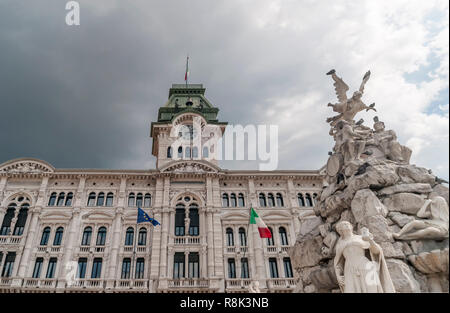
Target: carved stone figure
(349, 143)
(347, 108)
(386, 140)
(434, 226)
(254, 287)
(354, 271)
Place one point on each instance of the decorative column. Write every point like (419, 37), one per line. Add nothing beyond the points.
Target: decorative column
(210, 242)
(113, 262)
(163, 189)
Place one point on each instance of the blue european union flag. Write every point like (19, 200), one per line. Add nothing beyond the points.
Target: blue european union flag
(144, 218)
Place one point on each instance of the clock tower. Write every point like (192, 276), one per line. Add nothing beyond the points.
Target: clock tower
(187, 128)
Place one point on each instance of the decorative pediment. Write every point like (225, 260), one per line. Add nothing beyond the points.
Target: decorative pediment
(26, 166)
(95, 215)
(189, 167)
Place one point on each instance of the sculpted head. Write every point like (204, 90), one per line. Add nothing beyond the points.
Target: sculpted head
(344, 229)
(357, 95)
(378, 126)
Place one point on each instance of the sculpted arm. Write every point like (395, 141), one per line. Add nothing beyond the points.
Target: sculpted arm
(423, 210)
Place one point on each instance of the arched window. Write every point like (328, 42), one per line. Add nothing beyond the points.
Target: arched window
(187, 152)
(194, 222)
(309, 200)
(241, 201)
(129, 236)
(280, 201)
(283, 236)
(301, 200)
(126, 268)
(262, 200)
(58, 236)
(109, 199)
(314, 198)
(225, 200)
(21, 220)
(194, 152)
(270, 241)
(139, 200)
(230, 237)
(242, 237)
(271, 200)
(45, 236)
(52, 199)
(69, 199)
(61, 197)
(180, 152)
(87, 234)
(101, 199)
(180, 215)
(6, 225)
(147, 200)
(139, 273)
(101, 236)
(142, 238)
(91, 199)
(131, 199)
(169, 152)
(233, 200)
(205, 152)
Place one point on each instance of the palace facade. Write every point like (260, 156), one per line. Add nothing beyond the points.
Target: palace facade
(75, 230)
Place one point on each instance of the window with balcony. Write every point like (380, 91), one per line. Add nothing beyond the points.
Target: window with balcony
(82, 265)
(7, 219)
(147, 200)
(244, 268)
(230, 237)
(96, 268)
(178, 265)
(126, 267)
(287, 268)
(262, 200)
(180, 215)
(109, 199)
(283, 236)
(194, 223)
(142, 237)
(38, 267)
(193, 265)
(131, 199)
(231, 268)
(9, 264)
(87, 234)
(45, 236)
(21, 220)
(270, 241)
(242, 237)
(129, 236)
(51, 268)
(58, 236)
(273, 268)
(101, 236)
(241, 200)
(140, 268)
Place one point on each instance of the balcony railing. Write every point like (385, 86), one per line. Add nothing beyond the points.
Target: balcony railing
(95, 283)
(238, 283)
(188, 283)
(132, 284)
(14, 240)
(40, 283)
(281, 283)
(186, 240)
(5, 281)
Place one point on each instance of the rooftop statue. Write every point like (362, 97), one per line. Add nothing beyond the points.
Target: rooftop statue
(347, 108)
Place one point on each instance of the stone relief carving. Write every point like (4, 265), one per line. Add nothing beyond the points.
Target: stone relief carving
(26, 167)
(354, 271)
(186, 167)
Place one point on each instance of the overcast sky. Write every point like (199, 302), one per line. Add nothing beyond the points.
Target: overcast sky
(84, 96)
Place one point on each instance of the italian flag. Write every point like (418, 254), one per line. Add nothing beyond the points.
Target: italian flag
(264, 231)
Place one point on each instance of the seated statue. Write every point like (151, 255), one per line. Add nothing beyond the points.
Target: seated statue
(386, 140)
(354, 271)
(435, 226)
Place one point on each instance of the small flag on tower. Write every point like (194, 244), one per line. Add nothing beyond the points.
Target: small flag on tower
(264, 231)
(187, 70)
(144, 218)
